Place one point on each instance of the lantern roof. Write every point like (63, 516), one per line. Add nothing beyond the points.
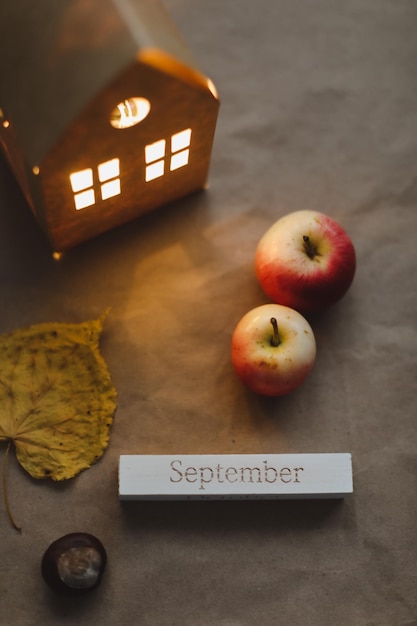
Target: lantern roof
(57, 56)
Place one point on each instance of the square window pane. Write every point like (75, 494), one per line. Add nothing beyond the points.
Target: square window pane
(110, 189)
(81, 180)
(179, 160)
(154, 171)
(155, 151)
(181, 140)
(84, 199)
(109, 169)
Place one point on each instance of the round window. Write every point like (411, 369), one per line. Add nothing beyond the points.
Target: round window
(129, 112)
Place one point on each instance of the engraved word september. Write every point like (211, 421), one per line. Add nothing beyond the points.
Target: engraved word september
(218, 474)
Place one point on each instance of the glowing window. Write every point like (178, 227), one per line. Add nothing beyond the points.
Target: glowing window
(109, 169)
(155, 151)
(84, 199)
(179, 155)
(110, 189)
(129, 112)
(181, 140)
(179, 160)
(81, 180)
(82, 183)
(155, 170)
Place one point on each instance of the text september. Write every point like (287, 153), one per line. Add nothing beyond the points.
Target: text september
(218, 474)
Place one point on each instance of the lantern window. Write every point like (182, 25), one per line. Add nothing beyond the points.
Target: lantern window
(179, 159)
(109, 169)
(181, 140)
(84, 199)
(82, 183)
(155, 170)
(179, 155)
(155, 151)
(110, 189)
(130, 112)
(81, 180)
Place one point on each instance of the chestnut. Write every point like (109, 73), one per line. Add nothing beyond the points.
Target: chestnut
(74, 563)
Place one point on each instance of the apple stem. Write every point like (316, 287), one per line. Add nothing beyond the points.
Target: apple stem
(275, 339)
(309, 248)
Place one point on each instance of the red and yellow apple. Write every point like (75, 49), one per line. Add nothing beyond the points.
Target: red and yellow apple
(306, 261)
(273, 349)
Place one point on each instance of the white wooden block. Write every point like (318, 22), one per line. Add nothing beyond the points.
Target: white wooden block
(242, 476)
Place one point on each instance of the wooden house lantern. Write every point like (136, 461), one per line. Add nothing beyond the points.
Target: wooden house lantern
(103, 113)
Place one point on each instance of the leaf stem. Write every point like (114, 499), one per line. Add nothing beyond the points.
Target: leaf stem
(275, 339)
(5, 491)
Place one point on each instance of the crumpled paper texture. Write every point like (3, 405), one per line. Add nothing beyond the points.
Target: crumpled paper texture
(318, 111)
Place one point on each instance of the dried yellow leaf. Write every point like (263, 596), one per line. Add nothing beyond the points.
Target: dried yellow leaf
(56, 397)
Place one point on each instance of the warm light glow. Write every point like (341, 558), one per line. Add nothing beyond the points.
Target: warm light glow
(179, 154)
(35, 170)
(154, 171)
(82, 183)
(169, 65)
(155, 151)
(84, 199)
(81, 180)
(212, 88)
(5, 123)
(108, 170)
(110, 189)
(129, 112)
(181, 140)
(179, 159)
